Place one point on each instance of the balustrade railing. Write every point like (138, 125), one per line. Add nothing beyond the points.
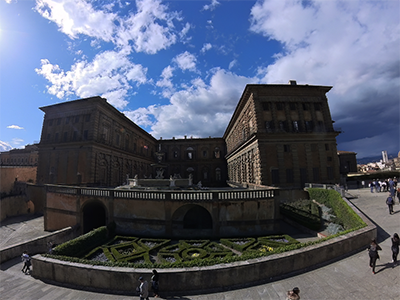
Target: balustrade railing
(208, 195)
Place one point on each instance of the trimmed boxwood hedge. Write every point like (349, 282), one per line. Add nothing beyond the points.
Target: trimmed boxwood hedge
(332, 199)
(239, 244)
(84, 243)
(210, 252)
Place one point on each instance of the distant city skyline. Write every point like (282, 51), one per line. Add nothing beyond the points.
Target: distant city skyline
(178, 68)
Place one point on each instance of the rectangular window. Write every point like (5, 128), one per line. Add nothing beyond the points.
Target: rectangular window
(75, 135)
(76, 119)
(65, 137)
(330, 172)
(286, 148)
(293, 106)
(317, 106)
(279, 106)
(50, 122)
(303, 176)
(283, 126)
(269, 126)
(56, 137)
(329, 158)
(327, 147)
(314, 147)
(289, 176)
(117, 140)
(320, 126)
(59, 121)
(67, 120)
(305, 106)
(48, 137)
(205, 154)
(316, 174)
(85, 135)
(87, 118)
(275, 176)
(296, 127)
(265, 105)
(309, 126)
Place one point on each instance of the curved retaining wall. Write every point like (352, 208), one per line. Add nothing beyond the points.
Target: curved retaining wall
(212, 278)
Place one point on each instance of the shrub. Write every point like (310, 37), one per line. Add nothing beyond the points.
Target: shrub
(332, 199)
(83, 244)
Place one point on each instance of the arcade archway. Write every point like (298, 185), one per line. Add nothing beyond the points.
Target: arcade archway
(94, 216)
(197, 217)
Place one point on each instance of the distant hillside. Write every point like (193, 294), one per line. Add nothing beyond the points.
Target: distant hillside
(370, 159)
(4, 146)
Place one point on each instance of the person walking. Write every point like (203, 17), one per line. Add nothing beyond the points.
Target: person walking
(293, 294)
(143, 289)
(373, 249)
(390, 202)
(27, 262)
(155, 283)
(395, 247)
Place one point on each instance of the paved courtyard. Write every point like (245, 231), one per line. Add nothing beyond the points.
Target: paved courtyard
(349, 278)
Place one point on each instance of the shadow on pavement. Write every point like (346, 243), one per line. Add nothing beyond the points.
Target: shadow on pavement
(10, 263)
(382, 235)
(19, 219)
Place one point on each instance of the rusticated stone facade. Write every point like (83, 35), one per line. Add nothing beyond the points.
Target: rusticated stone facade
(89, 142)
(279, 135)
(282, 135)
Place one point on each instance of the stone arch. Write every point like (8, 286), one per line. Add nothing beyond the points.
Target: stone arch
(192, 217)
(94, 215)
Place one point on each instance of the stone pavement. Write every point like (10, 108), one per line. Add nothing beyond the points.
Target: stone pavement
(349, 278)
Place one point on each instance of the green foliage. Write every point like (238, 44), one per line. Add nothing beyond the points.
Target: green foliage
(133, 252)
(332, 199)
(304, 217)
(82, 244)
(239, 244)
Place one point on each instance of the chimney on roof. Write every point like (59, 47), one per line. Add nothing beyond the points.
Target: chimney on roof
(292, 82)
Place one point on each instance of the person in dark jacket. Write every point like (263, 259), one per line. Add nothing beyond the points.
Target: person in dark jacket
(390, 202)
(155, 283)
(373, 249)
(395, 247)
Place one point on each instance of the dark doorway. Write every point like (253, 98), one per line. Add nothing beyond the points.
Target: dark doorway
(197, 218)
(94, 216)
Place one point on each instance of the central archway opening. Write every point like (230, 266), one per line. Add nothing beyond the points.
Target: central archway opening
(197, 217)
(94, 216)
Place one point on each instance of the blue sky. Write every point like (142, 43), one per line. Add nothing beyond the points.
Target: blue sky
(179, 67)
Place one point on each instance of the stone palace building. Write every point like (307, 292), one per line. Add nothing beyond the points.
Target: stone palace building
(279, 135)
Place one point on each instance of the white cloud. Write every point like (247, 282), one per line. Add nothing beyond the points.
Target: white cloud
(232, 63)
(17, 142)
(75, 17)
(110, 75)
(186, 61)
(211, 6)
(145, 30)
(150, 28)
(4, 146)
(15, 127)
(198, 110)
(206, 47)
(350, 45)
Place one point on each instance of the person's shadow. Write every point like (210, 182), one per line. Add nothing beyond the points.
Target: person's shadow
(385, 266)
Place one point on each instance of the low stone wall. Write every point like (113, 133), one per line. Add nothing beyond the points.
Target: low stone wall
(212, 278)
(15, 206)
(37, 245)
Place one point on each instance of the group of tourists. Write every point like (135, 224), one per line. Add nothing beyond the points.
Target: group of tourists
(387, 185)
(373, 249)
